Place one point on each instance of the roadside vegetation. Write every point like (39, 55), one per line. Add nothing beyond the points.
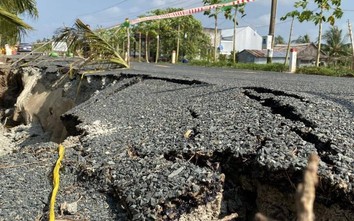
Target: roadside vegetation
(246, 66)
(327, 71)
(335, 71)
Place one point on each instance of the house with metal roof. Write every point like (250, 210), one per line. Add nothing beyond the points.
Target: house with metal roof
(306, 54)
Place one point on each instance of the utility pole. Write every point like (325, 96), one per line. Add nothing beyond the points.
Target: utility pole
(234, 38)
(273, 15)
(352, 42)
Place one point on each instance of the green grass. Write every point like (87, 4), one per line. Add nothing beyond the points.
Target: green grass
(247, 66)
(327, 71)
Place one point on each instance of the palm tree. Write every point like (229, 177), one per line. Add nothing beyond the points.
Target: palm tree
(145, 28)
(279, 40)
(215, 16)
(228, 15)
(183, 33)
(302, 39)
(335, 45)
(11, 25)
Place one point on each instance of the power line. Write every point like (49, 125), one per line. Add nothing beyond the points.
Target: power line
(104, 9)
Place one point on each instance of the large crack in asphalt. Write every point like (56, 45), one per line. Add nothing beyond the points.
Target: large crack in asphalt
(172, 80)
(323, 148)
(322, 145)
(246, 181)
(263, 90)
(286, 111)
(133, 150)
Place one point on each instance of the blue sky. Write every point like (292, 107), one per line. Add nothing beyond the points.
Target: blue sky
(105, 13)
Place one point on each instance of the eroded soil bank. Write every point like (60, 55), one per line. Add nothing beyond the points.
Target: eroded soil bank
(149, 148)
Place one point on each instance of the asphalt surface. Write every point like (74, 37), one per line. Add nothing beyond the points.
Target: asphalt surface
(338, 90)
(157, 141)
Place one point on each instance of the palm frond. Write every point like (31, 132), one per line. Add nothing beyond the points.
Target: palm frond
(20, 7)
(94, 39)
(82, 37)
(71, 36)
(13, 19)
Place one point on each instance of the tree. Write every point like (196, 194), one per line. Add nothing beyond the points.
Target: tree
(335, 45)
(214, 14)
(279, 40)
(11, 25)
(144, 28)
(184, 33)
(233, 15)
(302, 39)
(329, 11)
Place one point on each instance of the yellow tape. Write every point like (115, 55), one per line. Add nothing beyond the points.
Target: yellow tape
(55, 183)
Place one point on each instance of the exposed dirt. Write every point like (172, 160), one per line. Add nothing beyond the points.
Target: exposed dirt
(40, 104)
(34, 96)
(10, 87)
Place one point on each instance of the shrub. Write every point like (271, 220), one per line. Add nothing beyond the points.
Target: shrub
(247, 66)
(327, 71)
(338, 72)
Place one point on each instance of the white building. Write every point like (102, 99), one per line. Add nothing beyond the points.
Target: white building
(246, 38)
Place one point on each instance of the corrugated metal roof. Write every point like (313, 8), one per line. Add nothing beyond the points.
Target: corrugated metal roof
(299, 47)
(257, 53)
(263, 53)
(279, 51)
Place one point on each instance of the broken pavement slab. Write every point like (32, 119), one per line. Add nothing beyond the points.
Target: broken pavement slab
(151, 118)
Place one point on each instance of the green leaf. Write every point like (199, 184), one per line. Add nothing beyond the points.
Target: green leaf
(82, 36)
(126, 23)
(12, 18)
(226, 8)
(338, 13)
(331, 20)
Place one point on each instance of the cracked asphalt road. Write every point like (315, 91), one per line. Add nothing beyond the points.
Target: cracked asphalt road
(338, 90)
(248, 133)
